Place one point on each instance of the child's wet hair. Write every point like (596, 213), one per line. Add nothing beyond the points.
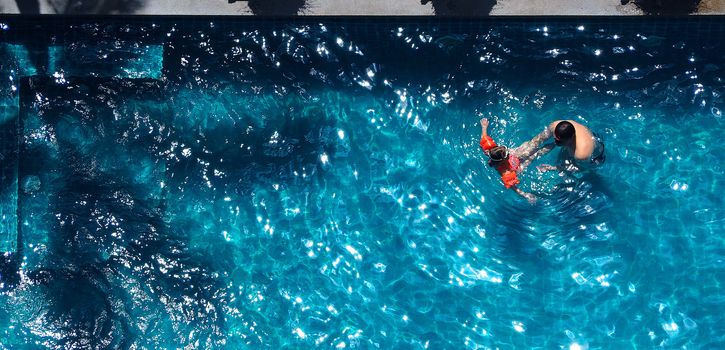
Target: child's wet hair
(498, 153)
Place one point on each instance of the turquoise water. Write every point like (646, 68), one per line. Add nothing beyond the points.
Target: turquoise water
(318, 183)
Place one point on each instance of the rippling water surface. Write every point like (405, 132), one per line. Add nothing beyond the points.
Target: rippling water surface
(192, 183)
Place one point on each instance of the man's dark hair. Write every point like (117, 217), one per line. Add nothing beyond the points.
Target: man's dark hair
(563, 132)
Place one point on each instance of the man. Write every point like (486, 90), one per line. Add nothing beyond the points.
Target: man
(580, 148)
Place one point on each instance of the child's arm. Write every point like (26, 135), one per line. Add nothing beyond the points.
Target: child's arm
(486, 141)
(484, 127)
(484, 130)
(529, 197)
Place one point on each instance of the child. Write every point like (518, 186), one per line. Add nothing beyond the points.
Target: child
(507, 162)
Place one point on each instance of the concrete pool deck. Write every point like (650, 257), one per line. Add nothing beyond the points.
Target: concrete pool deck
(368, 7)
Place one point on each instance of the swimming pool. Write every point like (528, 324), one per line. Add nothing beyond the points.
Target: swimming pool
(317, 182)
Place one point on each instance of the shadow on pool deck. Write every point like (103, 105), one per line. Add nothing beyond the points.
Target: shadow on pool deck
(666, 7)
(275, 8)
(461, 7)
(28, 6)
(81, 6)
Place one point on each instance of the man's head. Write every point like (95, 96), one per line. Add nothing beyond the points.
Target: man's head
(563, 133)
(498, 153)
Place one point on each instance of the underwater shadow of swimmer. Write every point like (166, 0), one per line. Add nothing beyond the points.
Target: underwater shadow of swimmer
(513, 233)
(461, 7)
(576, 201)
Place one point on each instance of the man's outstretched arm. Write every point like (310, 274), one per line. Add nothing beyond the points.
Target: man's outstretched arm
(540, 152)
(568, 167)
(530, 148)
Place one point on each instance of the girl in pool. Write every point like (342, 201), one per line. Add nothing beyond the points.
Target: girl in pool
(508, 162)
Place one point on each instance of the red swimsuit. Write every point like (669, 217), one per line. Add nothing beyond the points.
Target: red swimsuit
(508, 168)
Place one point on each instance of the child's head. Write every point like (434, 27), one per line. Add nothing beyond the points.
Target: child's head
(498, 154)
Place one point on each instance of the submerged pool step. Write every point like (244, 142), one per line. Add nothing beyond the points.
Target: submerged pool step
(130, 60)
(16, 61)
(87, 152)
(9, 151)
(116, 59)
(19, 61)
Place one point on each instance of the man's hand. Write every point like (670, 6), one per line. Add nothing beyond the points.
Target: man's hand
(545, 167)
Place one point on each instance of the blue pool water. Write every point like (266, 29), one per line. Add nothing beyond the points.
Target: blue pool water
(246, 184)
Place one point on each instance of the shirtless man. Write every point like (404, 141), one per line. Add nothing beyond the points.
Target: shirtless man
(580, 148)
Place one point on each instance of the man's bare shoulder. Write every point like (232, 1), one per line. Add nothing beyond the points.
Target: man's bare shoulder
(584, 142)
(581, 130)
